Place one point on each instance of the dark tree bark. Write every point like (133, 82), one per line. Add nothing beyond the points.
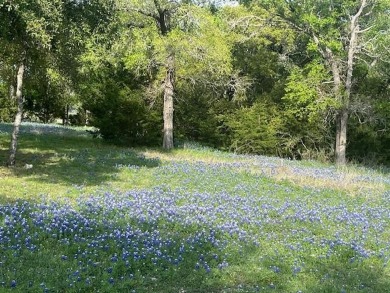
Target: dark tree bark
(65, 120)
(341, 137)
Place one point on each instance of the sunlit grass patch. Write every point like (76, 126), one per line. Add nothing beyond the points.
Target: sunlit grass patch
(352, 180)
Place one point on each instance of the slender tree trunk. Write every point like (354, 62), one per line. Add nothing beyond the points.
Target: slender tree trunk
(168, 104)
(86, 118)
(343, 91)
(161, 16)
(67, 114)
(65, 120)
(341, 137)
(18, 116)
(12, 93)
(342, 115)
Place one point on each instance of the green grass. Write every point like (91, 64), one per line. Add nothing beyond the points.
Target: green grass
(65, 166)
(282, 226)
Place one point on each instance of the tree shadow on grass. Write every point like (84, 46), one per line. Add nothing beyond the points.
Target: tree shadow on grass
(341, 272)
(72, 160)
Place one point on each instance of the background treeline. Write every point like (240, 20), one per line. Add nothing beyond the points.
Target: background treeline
(298, 79)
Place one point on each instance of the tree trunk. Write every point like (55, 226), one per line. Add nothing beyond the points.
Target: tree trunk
(12, 93)
(345, 95)
(168, 104)
(342, 114)
(18, 116)
(341, 136)
(65, 120)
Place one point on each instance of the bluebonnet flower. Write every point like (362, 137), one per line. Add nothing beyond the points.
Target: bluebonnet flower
(13, 284)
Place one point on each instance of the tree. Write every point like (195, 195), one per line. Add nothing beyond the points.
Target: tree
(334, 34)
(27, 30)
(176, 43)
(161, 13)
(42, 39)
(254, 123)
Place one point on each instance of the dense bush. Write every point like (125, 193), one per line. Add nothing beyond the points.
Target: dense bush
(198, 118)
(368, 145)
(255, 129)
(123, 117)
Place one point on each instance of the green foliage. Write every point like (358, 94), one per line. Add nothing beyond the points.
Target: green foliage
(199, 44)
(198, 116)
(307, 106)
(368, 145)
(252, 77)
(49, 92)
(307, 95)
(370, 136)
(126, 119)
(7, 107)
(255, 129)
(368, 129)
(139, 55)
(120, 112)
(266, 128)
(197, 39)
(47, 39)
(306, 138)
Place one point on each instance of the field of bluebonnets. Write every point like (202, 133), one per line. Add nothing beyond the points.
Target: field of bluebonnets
(79, 215)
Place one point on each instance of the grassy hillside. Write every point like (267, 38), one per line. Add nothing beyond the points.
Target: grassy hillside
(88, 217)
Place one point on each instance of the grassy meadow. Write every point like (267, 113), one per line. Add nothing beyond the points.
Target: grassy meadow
(80, 215)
